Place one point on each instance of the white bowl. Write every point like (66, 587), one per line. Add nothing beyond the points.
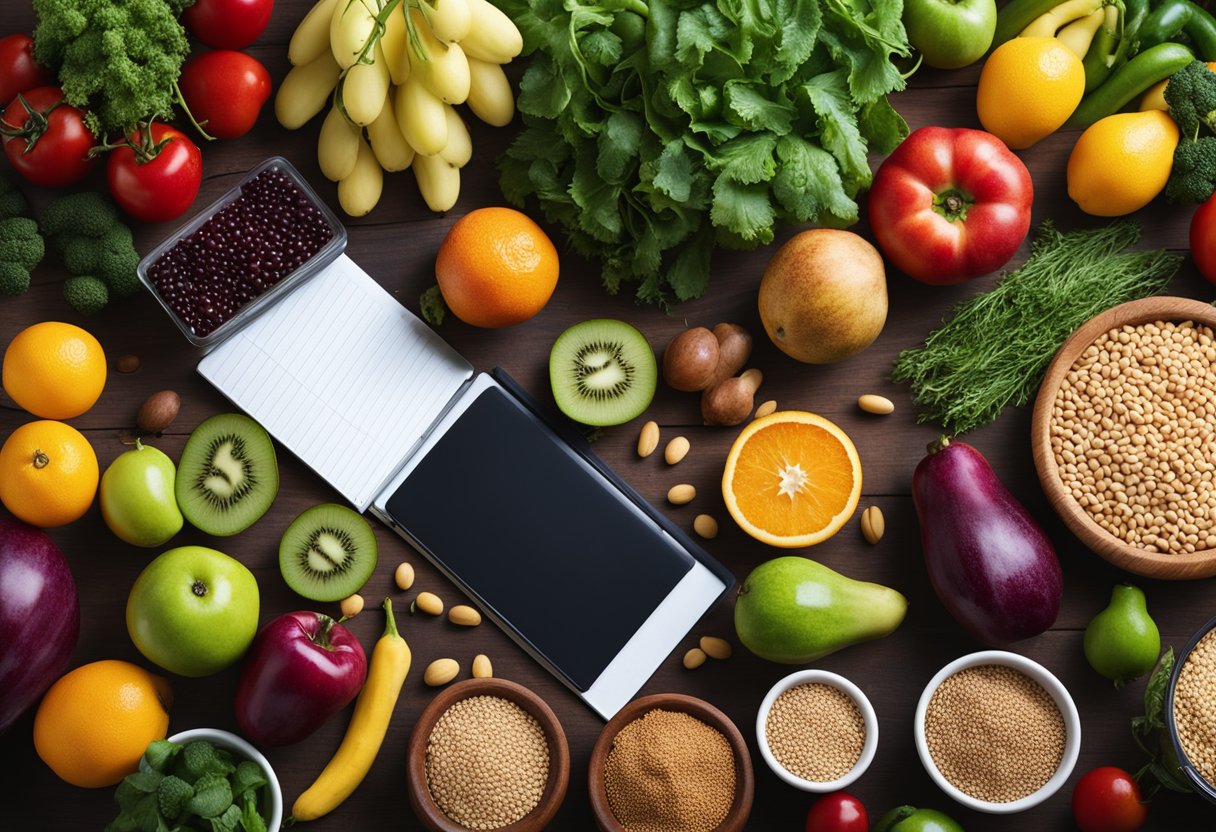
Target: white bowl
(823, 677)
(273, 798)
(1053, 686)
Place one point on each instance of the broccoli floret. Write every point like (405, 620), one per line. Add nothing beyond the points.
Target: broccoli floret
(116, 264)
(14, 279)
(21, 243)
(1191, 95)
(12, 201)
(1193, 178)
(88, 213)
(85, 294)
(81, 254)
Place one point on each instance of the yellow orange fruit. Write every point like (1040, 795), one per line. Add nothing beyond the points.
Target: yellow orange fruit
(792, 479)
(1121, 162)
(496, 267)
(54, 370)
(96, 721)
(1028, 88)
(48, 473)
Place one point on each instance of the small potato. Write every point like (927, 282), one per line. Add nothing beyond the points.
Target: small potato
(440, 672)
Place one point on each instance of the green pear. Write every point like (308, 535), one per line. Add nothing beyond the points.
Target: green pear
(1122, 642)
(137, 498)
(794, 610)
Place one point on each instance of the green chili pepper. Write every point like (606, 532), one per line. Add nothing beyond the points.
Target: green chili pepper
(1176, 17)
(1106, 50)
(1130, 80)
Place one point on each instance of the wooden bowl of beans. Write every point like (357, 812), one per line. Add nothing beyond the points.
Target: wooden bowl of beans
(478, 741)
(1123, 441)
(670, 762)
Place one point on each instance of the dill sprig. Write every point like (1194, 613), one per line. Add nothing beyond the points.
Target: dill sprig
(992, 349)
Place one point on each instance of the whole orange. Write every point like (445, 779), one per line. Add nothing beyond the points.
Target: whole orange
(1028, 88)
(96, 721)
(48, 473)
(54, 370)
(496, 267)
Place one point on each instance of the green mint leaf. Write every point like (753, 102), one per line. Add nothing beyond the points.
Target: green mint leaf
(144, 782)
(748, 159)
(172, 795)
(882, 127)
(432, 307)
(251, 818)
(807, 184)
(743, 210)
(748, 106)
(160, 754)
(200, 758)
(144, 816)
(228, 821)
(619, 146)
(212, 796)
(248, 776)
(829, 96)
(601, 48)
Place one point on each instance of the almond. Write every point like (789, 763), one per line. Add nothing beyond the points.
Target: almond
(872, 524)
(878, 405)
(429, 603)
(482, 669)
(716, 648)
(158, 412)
(706, 526)
(352, 606)
(464, 615)
(648, 439)
(676, 450)
(694, 658)
(440, 672)
(681, 494)
(769, 407)
(127, 363)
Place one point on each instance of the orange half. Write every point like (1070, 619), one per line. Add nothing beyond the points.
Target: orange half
(792, 479)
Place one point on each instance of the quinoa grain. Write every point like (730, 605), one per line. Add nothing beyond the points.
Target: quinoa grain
(1195, 707)
(815, 731)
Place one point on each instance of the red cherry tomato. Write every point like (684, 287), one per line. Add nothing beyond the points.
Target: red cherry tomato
(225, 91)
(47, 143)
(1203, 239)
(18, 72)
(1107, 799)
(162, 187)
(837, 812)
(228, 24)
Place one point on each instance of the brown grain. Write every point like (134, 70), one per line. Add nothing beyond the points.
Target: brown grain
(1195, 707)
(816, 732)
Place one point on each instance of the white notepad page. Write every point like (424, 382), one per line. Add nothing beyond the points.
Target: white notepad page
(341, 374)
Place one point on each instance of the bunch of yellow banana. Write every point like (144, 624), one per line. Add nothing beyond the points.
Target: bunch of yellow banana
(395, 69)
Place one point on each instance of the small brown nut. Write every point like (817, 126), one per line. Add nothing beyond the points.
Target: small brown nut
(440, 672)
(878, 405)
(464, 615)
(482, 669)
(766, 409)
(404, 576)
(730, 403)
(127, 363)
(716, 648)
(158, 412)
(429, 603)
(734, 348)
(676, 450)
(648, 439)
(706, 526)
(678, 495)
(872, 524)
(694, 658)
(691, 359)
(351, 606)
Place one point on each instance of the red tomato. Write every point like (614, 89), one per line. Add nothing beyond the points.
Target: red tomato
(225, 91)
(1203, 239)
(47, 143)
(228, 24)
(162, 187)
(837, 812)
(18, 72)
(950, 204)
(1107, 799)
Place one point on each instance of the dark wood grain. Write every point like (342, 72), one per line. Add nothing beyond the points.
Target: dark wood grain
(396, 244)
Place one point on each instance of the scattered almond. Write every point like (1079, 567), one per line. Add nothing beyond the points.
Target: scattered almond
(127, 363)
(351, 606)
(429, 603)
(676, 450)
(648, 439)
(705, 526)
(482, 669)
(694, 658)
(766, 409)
(158, 412)
(681, 494)
(404, 576)
(872, 524)
(879, 405)
(464, 615)
(715, 648)
(440, 672)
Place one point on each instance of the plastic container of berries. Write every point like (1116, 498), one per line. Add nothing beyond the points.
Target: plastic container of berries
(256, 243)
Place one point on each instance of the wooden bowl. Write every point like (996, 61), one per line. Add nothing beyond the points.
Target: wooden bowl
(423, 804)
(735, 819)
(1201, 564)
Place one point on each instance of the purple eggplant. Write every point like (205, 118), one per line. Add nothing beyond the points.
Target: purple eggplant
(39, 617)
(989, 561)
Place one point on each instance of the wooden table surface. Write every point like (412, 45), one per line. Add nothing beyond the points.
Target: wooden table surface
(396, 244)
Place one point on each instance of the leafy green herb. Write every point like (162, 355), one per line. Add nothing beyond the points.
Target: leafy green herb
(993, 348)
(1151, 734)
(655, 131)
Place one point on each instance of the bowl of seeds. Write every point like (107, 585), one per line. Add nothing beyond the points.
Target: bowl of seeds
(817, 731)
(487, 754)
(1190, 710)
(997, 732)
(1122, 438)
(670, 762)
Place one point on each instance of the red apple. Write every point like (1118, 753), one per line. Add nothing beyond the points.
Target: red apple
(302, 669)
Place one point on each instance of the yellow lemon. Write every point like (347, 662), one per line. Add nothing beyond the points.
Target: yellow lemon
(1028, 88)
(1121, 162)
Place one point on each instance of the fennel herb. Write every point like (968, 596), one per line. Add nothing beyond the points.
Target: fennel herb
(994, 348)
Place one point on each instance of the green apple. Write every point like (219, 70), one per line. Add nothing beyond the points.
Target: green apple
(193, 610)
(136, 496)
(950, 33)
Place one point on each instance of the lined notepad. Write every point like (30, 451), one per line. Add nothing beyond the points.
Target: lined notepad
(341, 374)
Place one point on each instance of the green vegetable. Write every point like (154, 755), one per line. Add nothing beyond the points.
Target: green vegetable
(12, 201)
(1107, 49)
(1129, 81)
(93, 242)
(1175, 17)
(1191, 96)
(1193, 177)
(118, 60)
(86, 294)
(21, 249)
(993, 348)
(651, 141)
(87, 213)
(1149, 730)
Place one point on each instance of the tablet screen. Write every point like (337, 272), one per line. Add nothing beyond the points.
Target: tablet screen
(540, 536)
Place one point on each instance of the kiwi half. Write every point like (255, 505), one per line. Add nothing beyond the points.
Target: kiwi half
(228, 475)
(327, 553)
(603, 372)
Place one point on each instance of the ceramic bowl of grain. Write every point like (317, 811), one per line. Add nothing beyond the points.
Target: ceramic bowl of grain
(817, 731)
(487, 754)
(997, 732)
(1190, 701)
(670, 762)
(1122, 441)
